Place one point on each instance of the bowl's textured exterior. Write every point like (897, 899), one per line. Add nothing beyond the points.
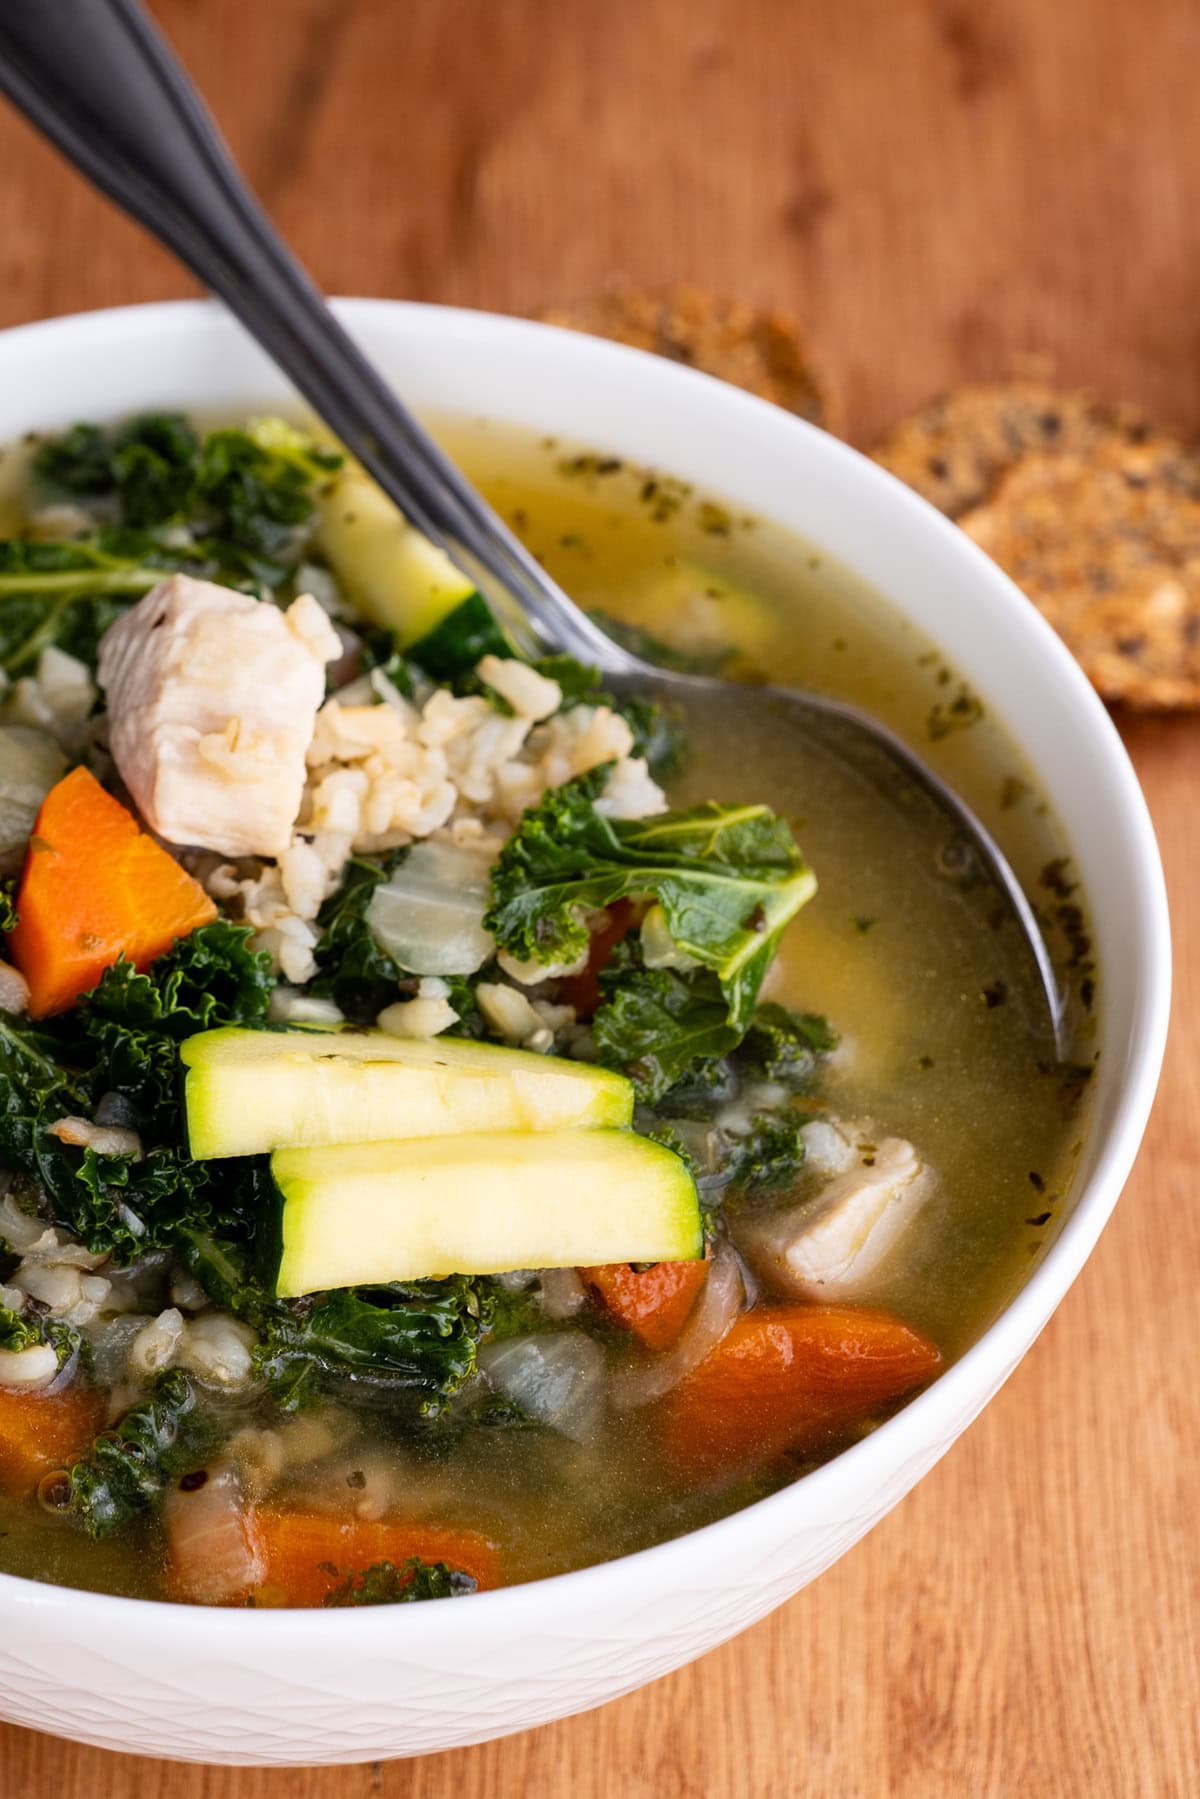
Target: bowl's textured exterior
(262, 1687)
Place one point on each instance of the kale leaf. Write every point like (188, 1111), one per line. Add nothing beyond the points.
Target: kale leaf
(136, 1021)
(406, 1334)
(769, 1154)
(8, 906)
(254, 488)
(352, 969)
(386, 1584)
(728, 878)
(152, 466)
(467, 633)
(249, 488)
(417, 1336)
(36, 1087)
(236, 507)
(27, 1329)
(381, 651)
(784, 1046)
(578, 682)
(67, 594)
(655, 1024)
(131, 1465)
(77, 463)
(123, 1039)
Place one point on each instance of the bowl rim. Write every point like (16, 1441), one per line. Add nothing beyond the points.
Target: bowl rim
(1000, 1346)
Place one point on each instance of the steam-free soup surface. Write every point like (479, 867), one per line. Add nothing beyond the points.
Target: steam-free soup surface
(942, 1036)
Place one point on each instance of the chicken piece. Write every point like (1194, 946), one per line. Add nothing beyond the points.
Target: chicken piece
(832, 1244)
(212, 700)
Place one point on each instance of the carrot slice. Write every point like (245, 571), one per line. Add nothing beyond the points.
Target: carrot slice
(306, 1554)
(655, 1303)
(785, 1377)
(95, 888)
(40, 1432)
(583, 990)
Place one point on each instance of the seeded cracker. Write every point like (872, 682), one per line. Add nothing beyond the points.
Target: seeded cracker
(955, 450)
(763, 352)
(1107, 545)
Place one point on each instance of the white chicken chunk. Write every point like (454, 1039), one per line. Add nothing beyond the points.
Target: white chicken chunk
(212, 700)
(831, 1245)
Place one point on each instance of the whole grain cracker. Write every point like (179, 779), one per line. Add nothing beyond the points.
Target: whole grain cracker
(761, 350)
(1106, 543)
(955, 450)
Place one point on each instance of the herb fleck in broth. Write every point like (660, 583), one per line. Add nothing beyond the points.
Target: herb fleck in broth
(940, 1026)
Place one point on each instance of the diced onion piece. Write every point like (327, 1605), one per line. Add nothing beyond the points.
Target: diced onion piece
(428, 916)
(213, 1554)
(713, 1316)
(556, 1377)
(30, 764)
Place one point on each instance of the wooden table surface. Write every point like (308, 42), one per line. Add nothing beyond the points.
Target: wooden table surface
(942, 189)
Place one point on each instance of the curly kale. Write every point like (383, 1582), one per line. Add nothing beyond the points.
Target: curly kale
(420, 1335)
(132, 1465)
(29, 1329)
(122, 1040)
(784, 1046)
(659, 1026)
(403, 1336)
(769, 1154)
(728, 878)
(67, 594)
(136, 1021)
(250, 488)
(386, 1584)
(235, 506)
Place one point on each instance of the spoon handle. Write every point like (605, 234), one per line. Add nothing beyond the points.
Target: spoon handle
(100, 82)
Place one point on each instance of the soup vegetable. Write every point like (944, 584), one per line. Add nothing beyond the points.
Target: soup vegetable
(448, 1136)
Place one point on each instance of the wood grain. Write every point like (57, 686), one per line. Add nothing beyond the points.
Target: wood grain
(943, 190)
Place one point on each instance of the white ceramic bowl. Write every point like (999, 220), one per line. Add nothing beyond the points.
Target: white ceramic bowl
(275, 1687)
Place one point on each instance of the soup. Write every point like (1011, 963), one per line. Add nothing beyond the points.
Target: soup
(451, 1139)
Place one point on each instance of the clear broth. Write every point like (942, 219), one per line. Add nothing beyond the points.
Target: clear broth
(906, 966)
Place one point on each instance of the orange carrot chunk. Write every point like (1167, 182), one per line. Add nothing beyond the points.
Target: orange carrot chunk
(306, 1554)
(95, 888)
(40, 1432)
(787, 1377)
(654, 1304)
